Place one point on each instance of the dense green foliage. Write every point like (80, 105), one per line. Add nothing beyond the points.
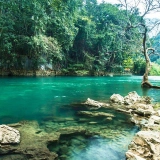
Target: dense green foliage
(155, 70)
(139, 66)
(74, 37)
(156, 44)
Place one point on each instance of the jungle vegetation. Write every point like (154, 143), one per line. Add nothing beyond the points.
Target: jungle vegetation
(72, 37)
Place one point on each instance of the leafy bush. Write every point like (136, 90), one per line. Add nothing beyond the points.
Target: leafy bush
(139, 66)
(128, 62)
(78, 66)
(117, 69)
(64, 71)
(155, 70)
(82, 72)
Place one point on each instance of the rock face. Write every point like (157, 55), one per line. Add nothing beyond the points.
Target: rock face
(154, 120)
(9, 135)
(132, 103)
(145, 145)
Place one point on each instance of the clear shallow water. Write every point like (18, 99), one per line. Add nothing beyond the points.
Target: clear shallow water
(44, 98)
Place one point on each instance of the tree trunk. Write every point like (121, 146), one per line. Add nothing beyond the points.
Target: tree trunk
(145, 82)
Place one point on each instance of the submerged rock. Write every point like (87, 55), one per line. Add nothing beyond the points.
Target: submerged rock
(95, 114)
(9, 135)
(73, 130)
(33, 144)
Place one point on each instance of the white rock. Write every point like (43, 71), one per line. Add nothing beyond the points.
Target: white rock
(158, 113)
(9, 135)
(131, 98)
(145, 144)
(132, 156)
(95, 104)
(154, 119)
(117, 98)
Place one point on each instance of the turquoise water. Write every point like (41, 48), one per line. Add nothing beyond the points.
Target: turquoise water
(44, 98)
(32, 98)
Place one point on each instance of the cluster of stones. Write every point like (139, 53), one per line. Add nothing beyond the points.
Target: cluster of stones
(146, 143)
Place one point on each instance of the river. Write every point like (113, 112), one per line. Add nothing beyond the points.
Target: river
(37, 98)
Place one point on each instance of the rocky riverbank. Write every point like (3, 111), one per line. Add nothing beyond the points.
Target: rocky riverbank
(45, 73)
(28, 73)
(146, 143)
(59, 138)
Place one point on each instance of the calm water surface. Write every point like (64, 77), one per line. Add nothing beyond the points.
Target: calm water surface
(34, 98)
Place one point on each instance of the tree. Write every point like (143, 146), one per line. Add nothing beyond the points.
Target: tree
(68, 34)
(100, 42)
(149, 6)
(23, 35)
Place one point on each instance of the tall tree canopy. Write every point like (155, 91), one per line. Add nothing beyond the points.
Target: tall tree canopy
(71, 35)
